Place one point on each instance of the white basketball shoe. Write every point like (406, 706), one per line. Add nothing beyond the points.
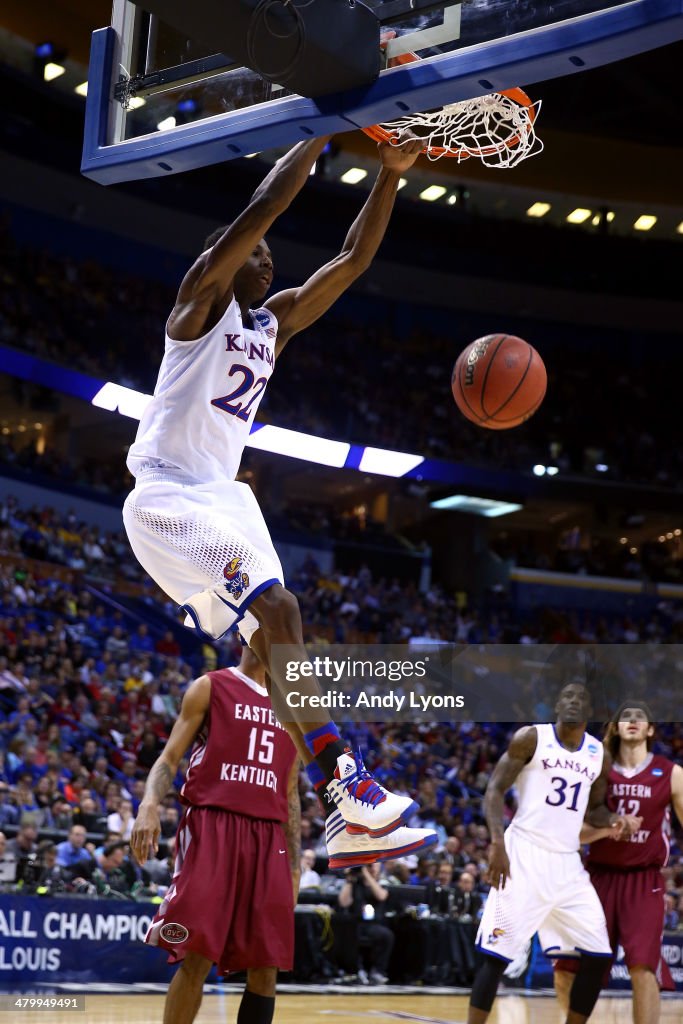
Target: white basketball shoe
(346, 850)
(365, 806)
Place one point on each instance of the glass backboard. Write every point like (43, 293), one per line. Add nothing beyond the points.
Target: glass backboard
(160, 103)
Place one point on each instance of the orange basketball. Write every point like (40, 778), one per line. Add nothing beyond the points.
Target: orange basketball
(499, 381)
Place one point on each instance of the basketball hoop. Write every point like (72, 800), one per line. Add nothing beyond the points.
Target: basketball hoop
(498, 129)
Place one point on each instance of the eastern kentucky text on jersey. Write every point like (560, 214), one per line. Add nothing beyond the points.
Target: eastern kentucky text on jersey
(243, 757)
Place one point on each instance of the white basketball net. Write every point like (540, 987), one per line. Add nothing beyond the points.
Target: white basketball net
(496, 129)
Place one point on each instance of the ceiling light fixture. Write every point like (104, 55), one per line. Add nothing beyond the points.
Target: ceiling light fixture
(433, 192)
(538, 210)
(579, 215)
(354, 175)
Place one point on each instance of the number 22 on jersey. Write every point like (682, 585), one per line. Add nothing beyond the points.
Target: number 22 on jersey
(227, 402)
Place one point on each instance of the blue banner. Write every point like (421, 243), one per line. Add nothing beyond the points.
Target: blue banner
(77, 940)
(84, 941)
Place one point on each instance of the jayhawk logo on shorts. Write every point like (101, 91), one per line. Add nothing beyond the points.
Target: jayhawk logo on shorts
(236, 581)
(495, 935)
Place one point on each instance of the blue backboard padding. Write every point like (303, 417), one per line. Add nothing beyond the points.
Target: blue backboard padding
(99, 86)
(553, 51)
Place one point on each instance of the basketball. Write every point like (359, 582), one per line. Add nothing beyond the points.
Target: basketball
(499, 381)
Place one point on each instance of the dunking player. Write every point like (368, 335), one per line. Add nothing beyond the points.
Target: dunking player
(196, 530)
(535, 870)
(627, 875)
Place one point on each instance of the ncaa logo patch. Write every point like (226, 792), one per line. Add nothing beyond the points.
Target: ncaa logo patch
(174, 932)
(657, 771)
(592, 749)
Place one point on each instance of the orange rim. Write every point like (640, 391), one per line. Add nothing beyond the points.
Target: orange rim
(381, 134)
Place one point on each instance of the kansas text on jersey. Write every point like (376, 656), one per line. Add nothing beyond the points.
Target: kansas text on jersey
(553, 790)
(206, 397)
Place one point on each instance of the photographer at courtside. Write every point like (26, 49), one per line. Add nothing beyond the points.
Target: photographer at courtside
(364, 898)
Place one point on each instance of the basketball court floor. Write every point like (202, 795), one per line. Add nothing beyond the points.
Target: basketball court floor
(327, 1006)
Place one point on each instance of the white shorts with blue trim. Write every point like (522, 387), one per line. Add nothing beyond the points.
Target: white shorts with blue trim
(547, 892)
(205, 544)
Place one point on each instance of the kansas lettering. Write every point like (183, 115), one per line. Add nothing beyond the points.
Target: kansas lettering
(235, 343)
(569, 764)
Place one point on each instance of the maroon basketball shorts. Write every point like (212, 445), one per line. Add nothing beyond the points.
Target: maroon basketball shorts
(633, 902)
(231, 898)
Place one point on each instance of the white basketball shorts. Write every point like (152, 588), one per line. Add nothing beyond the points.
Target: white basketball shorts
(549, 893)
(206, 545)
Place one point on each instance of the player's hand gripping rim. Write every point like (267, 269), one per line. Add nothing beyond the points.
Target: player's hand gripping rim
(498, 870)
(144, 839)
(401, 152)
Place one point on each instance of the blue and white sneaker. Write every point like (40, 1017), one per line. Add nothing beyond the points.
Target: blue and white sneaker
(346, 849)
(365, 806)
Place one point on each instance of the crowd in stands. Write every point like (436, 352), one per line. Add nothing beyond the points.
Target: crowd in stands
(54, 307)
(345, 605)
(657, 559)
(104, 476)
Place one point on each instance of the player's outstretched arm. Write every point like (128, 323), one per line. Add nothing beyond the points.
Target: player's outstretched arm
(293, 827)
(271, 198)
(147, 828)
(522, 748)
(211, 277)
(298, 308)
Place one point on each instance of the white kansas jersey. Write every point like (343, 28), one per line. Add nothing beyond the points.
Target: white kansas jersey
(553, 791)
(206, 397)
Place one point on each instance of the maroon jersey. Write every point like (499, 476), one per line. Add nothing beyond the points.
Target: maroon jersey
(648, 796)
(242, 757)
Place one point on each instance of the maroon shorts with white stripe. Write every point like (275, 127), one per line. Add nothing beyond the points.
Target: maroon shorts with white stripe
(231, 896)
(633, 902)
